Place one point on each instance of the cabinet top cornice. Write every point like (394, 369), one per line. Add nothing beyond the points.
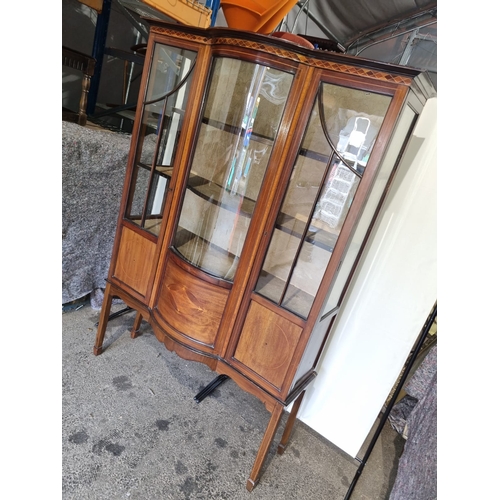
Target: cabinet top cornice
(348, 64)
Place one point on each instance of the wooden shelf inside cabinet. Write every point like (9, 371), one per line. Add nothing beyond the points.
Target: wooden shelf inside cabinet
(298, 301)
(220, 258)
(151, 223)
(252, 216)
(210, 191)
(318, 234)
(163, 170)
(151, 121)
(236, 130)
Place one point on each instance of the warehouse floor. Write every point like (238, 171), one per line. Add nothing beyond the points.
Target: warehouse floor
(132, 430)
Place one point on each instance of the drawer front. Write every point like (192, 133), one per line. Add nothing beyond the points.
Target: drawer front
(189, 307)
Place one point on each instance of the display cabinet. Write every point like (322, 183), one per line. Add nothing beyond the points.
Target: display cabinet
(256, 170)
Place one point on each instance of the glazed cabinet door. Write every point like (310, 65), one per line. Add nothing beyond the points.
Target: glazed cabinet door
(342, 129)
(164, 106)
(155, 145)
(315, 215)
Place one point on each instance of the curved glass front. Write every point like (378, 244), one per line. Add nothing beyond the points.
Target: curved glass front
(242, 114)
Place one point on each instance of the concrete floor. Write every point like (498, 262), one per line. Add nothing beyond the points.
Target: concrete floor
(132, 430)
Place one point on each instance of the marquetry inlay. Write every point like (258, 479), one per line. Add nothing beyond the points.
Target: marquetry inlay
(177, 34)
(312, 61)
(288, 54)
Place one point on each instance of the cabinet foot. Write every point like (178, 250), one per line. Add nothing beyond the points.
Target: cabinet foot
(250, 484)
(289, 424)
(135, 328)
(272, 426)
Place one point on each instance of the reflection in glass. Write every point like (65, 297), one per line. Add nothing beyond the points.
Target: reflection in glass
(243, 110)
(161, 123)
(335, 150)
(403, 130)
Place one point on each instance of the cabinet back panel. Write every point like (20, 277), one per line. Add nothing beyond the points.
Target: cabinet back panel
(135, 260)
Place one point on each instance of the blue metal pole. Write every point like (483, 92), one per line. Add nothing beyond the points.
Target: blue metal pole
(101, 31)
(215, 10)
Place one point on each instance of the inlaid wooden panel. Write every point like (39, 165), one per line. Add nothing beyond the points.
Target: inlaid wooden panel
(135, 260)
(267, 343)
(193, 307)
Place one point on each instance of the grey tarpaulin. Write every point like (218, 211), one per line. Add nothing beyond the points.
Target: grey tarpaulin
(347, 20)
(417, 469)
(93, 170)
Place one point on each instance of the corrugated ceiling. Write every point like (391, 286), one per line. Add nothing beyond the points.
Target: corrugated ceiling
(348, 20)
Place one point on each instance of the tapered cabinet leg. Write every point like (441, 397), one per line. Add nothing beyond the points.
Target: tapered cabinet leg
(289, 424)
(103, 321)
(272, 426)
(137, 324)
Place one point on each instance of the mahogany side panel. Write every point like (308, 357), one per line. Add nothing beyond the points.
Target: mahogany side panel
(134, 261)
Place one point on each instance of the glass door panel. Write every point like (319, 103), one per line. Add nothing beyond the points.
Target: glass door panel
(401, 135)
(161, 123)
(243, 111)
(340, 135)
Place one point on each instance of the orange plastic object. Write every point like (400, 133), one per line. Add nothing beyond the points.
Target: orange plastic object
(285, 8)
(298, 40)
(252, 15)
(245, 16)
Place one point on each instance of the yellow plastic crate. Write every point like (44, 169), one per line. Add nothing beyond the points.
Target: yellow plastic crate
(188, 12)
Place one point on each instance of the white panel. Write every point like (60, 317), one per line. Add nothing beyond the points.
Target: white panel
(389, 299)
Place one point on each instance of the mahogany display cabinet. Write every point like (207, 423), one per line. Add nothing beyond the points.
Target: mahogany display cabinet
(256, 170)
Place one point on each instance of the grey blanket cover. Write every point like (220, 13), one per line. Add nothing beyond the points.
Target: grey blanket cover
(417, 469)
(93, 171)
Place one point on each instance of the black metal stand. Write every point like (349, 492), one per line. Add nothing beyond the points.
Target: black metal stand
(385, 416)
(206, 391)
(117, 314)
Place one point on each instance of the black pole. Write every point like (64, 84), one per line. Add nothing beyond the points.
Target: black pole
(385, 416)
